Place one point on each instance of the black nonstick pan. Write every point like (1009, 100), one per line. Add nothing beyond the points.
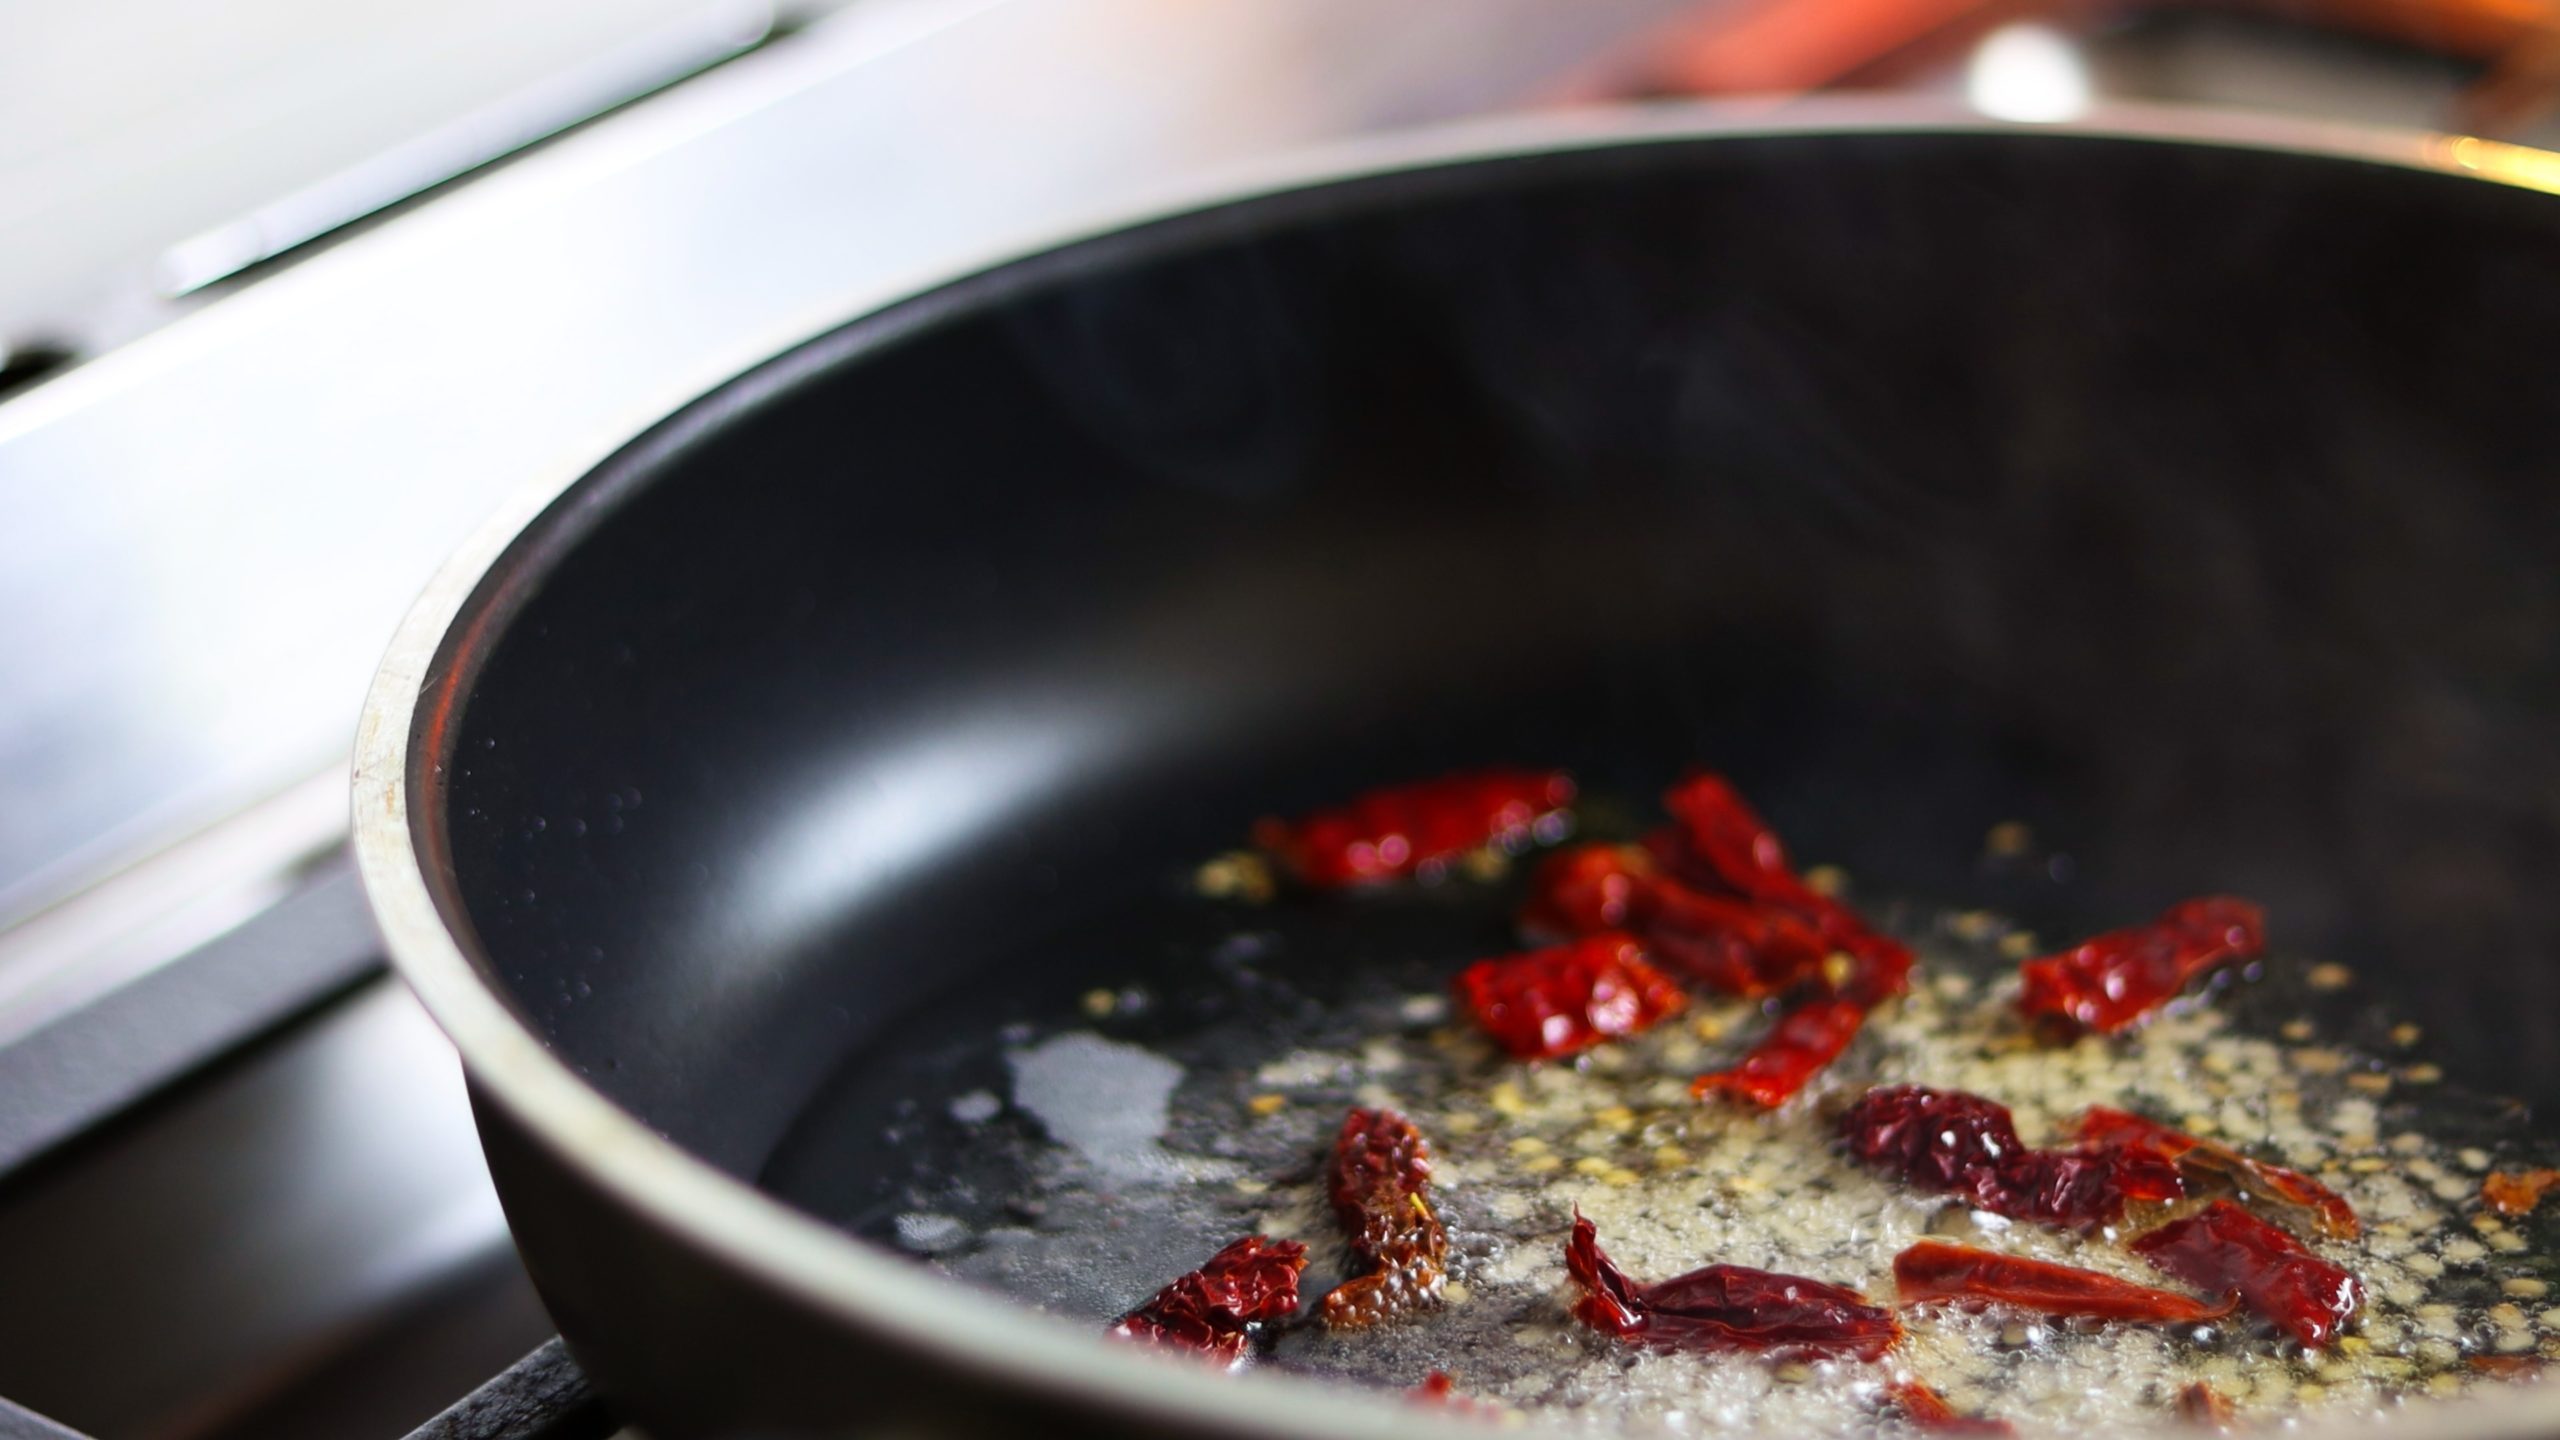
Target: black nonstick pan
(2189, 496)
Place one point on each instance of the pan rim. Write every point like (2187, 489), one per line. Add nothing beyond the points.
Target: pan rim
(415, 696)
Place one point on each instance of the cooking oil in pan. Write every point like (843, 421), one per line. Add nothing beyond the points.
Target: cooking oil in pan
(1100, 1142)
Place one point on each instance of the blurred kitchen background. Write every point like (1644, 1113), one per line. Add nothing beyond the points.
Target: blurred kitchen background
(292, 292)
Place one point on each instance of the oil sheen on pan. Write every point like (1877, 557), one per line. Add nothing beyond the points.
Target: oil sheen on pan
(1481, 1094)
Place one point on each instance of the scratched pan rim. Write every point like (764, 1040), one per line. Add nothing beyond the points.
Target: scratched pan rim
(425, 676)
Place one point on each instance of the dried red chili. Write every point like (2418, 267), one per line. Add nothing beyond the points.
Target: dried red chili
(2109, 981)
(1736, 947)
(1879, 969)
(1440, 1391)
(2508, 1367)
(1729, 945)
(2225, 1249)
(2516, 1192)
(1380, 1183)
(1584, 889)
(1935, 1272)
(1726, 1307)
(2203, 1162)
(1936, 1139)
(1804, 1040)
(1394, 832)
(2080, 1188)
(1217, 1308)
(1720, 843)
(1926, 1409)
(1967, 1145)
(2204, 1407)
(1567, 997)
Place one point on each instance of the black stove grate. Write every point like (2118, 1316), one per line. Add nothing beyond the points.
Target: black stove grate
(541, 1397)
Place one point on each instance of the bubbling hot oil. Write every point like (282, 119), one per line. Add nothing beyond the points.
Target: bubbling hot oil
(1137, 1151)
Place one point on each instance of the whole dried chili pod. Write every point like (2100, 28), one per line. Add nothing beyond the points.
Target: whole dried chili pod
(2226, 1250)
(1216, 1309)
(1925, 1408)
(2205, 1408)
(1567, 997)
(1733, 946)
(1967, 1145)
(2517, 1192)
(2108, 982)
(1380, 1185)
(1726, 1308)
(1934, 1272)
(1394, 832)
(2204, 1162)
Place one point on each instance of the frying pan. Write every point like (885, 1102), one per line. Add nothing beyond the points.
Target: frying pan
(2186, 493)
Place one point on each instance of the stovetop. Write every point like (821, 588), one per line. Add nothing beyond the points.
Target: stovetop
(240, 1194)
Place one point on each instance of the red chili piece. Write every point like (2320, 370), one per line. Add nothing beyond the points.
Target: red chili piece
(1926, 1409)
(1720, 843)
(1569, 997)
(1726, 1307)
(1440, 1392)
(2108, 982)
(1934, 1271)
(2517, 1192)
(1381, 1188)
(1804, 1040)
(1730, 945)
(1216, 1309)
(2225, 1249)
(1949, 1140)
(1584, 889)
(1736, 947)
(2205, 1408)
(2204, 1162)
(1390, 833)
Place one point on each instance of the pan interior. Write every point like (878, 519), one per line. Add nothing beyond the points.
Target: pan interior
(2191, 505)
